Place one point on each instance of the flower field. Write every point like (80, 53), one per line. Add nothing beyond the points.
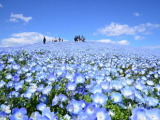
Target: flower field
(79, 81)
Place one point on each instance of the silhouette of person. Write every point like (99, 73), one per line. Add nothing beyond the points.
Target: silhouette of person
(44, 40)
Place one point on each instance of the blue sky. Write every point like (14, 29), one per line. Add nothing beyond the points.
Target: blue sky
(126, 22)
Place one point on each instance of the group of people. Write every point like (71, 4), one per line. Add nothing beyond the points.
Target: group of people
(57, 40)
(53, 40)
(79, 38)
(76, 39)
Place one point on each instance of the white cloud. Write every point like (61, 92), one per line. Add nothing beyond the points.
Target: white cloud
(23, 39)
(120, 42)
(115, 29)
(136, 14)
(123, 42)
(1, 6)
(137, 37)
(17, 17)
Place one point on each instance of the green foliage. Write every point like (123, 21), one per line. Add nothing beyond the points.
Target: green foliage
(119, 112)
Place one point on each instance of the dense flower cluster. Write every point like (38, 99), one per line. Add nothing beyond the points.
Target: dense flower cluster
(79, 81)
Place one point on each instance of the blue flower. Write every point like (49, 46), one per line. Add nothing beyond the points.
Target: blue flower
(55, 100)
(153, 114)
(117, 85)
(90, 109)
(41, 106)
(43, 99)
(8, 76)
(105, 86)
(102, 114)
(50, 115)
(2, 66)
(96, 89)
(74, 107)
(83, 116)
(35, 115)
(128, 92)
(19, 114)
(2, 115)
(51, 77)
(40, 88)
(16, 78)
(28, 94)
(47, 90)
(13, 94)
(151, 101)
(139, 114)
(71, 86)
(99, 99)
(116, 97)
(2, 83)
(79, 78)
(5, 108)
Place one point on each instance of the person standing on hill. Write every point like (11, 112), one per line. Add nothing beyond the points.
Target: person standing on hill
(44, 40)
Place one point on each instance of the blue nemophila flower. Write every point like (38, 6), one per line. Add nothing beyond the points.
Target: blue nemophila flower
(139, 114)
(140, 86)
(96, 89)
(153, 114)
(67, 117)
(47, 90)
(41, 106)
(2, 66)
(116, 97)
(105, 86)
(10, 84)
(99, 99)
(2, 115)
(13, 94)
(2, 83)
(90, 109)
(129, 81)
(83, 116)
(51, 77)
(99, 79)
(102, 114)
(59, 72)
(19, 114)
(74, 107)
(50, 115)
(62, 97)
(27, 95)
(8, 76)
(156, 75)
(151, 101)
(5, 108)
(43, 99)
(35, 115)
(71, 86)
(32, 88)
(138, 97)
(16, 78)
(40, 88)
(10, 60)
(79, 78)
(128, 92)
(55, 100)
(70, 76)
(116, 84)
(29, 79)
(149, 82)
